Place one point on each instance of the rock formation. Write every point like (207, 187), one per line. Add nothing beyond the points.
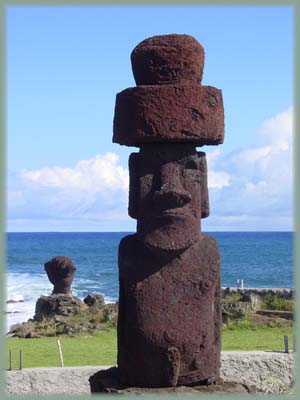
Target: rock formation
(169, 326)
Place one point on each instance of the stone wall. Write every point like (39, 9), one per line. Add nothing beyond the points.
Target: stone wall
(285, 293)
(269, 372)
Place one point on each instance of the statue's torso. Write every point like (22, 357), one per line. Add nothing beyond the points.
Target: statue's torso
(172, 302)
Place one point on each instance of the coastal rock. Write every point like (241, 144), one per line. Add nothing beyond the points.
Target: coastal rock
(57, 305)
(24, 330)
(63, 314)
(10, 301)
(110, 313)
(94, 300)
(60, 271)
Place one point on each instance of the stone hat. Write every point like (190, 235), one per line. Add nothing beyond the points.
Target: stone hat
(168, 59)
(168, 104)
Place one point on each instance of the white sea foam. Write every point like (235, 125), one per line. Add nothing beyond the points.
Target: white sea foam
(24, 289)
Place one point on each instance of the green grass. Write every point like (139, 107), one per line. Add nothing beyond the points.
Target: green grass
(102, 348)
(262, 338)
(85, 350)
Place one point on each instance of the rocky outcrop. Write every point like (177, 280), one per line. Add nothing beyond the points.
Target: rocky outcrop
(63, 314)
(238, 303)
(94, 300)
(48, 307)
(234, 310)
(11, 301)
(24, 330)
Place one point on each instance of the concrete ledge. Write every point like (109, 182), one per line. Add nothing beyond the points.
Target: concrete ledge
(276, 314)
(271, 372)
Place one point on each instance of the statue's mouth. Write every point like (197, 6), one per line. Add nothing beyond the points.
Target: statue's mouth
(172, 213)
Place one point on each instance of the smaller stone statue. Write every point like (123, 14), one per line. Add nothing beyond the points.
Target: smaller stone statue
(60, 271)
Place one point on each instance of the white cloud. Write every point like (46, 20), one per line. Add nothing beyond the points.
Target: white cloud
(94, 189)
(259, 180)
(216, 179)
(249, 189)
(97, 174)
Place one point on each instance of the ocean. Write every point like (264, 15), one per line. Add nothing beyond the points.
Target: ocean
(261, 259)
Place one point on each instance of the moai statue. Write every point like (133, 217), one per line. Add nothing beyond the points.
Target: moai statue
(169, 326)
(60, 271)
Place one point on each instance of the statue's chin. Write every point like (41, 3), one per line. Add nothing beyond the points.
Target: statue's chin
(166, 247)
(169, 238)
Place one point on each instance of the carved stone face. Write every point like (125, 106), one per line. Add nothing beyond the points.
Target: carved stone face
(168, 194)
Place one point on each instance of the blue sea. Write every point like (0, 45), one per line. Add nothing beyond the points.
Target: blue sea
(261, 259)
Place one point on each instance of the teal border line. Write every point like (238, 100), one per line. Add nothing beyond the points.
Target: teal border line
(156, 3)
(297, 188)
(2, 182)
(118, 3)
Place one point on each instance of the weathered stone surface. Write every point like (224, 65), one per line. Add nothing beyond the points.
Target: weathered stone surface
(276, 313)
(57, 304)
(94, 300)
(169, 324)
(168, 194)
(60, 271)
(168, 59)
(247, 292)
(234, 310)
(108, 381)
(271, 372)
(64, 314)
(23, 330)
(174, 303)
(169, 113)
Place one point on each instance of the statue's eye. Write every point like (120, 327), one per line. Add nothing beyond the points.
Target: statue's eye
(191, 164)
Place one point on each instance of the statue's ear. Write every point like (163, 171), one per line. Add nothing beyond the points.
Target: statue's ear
(204, 189)
(133, 185)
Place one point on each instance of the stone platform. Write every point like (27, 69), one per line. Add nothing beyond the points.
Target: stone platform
(269, 372)
(107, 381)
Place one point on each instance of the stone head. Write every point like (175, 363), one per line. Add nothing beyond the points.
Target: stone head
(60, 271)
(168, 194)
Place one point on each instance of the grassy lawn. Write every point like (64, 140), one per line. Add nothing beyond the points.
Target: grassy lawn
(258, 339)
(93, 350)
(102, 348)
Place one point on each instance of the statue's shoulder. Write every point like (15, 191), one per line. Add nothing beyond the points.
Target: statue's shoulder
(129, 254)
(207, 247)
(208, 240)
(128, 243)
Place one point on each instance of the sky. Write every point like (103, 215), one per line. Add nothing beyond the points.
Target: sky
(65, 66)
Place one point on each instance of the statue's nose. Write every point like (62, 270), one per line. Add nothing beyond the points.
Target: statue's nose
(171, 193)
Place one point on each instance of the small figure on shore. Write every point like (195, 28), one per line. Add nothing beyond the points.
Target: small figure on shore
(60, 271)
